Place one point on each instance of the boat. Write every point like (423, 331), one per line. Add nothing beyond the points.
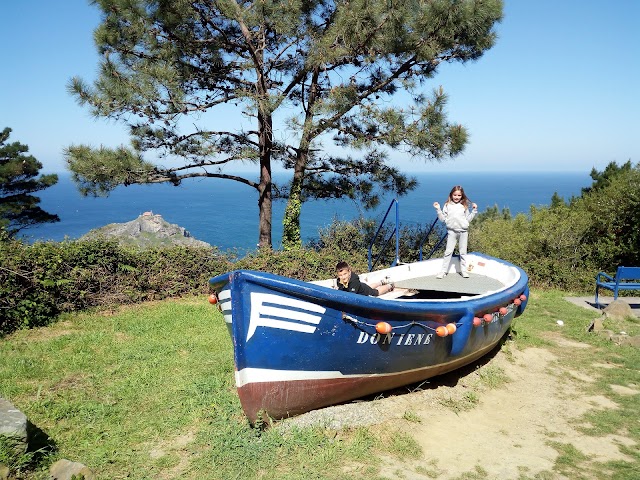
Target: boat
(300, 346)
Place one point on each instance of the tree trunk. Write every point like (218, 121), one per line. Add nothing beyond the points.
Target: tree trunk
(265, 123)
(291, 238)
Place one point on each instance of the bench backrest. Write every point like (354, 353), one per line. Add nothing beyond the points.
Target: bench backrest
(628, 273)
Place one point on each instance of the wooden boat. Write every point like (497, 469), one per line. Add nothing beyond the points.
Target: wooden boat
(300, 346)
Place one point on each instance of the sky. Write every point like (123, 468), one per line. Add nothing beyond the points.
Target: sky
(560, 90)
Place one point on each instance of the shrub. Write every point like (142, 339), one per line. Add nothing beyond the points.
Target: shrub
(613, 207)
(303, 264)
(565, 245)
(24, 298)
(39, 281)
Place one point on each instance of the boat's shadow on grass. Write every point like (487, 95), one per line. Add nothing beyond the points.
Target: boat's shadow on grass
(450, 379)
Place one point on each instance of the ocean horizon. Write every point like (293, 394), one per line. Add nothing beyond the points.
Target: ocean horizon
(224, 213)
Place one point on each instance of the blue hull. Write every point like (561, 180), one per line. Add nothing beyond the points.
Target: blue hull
(299, 346)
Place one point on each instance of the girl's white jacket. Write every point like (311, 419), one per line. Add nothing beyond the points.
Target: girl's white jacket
(456, 216)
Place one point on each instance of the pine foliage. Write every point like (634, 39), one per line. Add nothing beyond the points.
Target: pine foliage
(18, 180)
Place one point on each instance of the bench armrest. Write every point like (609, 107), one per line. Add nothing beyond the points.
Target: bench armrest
(607, 277)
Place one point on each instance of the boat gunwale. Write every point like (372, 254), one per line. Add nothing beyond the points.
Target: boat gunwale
(342, 300)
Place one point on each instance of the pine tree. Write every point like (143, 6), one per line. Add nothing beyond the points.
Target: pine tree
(18, 208)
(330, 89)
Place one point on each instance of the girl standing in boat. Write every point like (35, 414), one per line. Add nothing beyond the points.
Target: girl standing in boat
(456, 216)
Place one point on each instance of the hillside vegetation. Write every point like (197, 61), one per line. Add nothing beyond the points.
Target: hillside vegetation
(561, 246)
(566, 244)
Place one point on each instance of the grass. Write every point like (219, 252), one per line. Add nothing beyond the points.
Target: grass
(147, 392)
(629, 325)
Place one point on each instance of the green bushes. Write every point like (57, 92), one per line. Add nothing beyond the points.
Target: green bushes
(42, 280)
(303, 264)
(566, 244)
(549, 246)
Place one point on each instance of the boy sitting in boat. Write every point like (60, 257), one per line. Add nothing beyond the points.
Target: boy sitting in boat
(350, 282)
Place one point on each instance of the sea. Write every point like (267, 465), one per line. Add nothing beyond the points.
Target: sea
(224, 213)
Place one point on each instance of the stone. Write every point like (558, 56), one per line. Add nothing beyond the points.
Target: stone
(618, 310)
(4, 472)
(13, 424)
(65, 469)
(596, 325)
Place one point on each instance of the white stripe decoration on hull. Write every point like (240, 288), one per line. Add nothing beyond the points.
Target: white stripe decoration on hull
(292, 314)
(224, 302)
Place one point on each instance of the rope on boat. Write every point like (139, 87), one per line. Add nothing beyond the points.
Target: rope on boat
(360, 322)
(442, 330)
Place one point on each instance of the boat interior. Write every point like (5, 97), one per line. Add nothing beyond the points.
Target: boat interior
(417, 281)
(451, 286)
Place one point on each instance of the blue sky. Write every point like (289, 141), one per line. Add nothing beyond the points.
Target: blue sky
(560, 91)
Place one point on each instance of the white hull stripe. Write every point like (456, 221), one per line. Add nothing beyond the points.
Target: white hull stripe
(258, 375)
(268, 311)
(224, 300)
(247, 376)
(283, 325)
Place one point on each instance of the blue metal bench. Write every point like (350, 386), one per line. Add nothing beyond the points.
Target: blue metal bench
(627, 278)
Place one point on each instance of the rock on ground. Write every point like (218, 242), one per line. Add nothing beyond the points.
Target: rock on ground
(618, 310)
(13, 424)
(66, 470)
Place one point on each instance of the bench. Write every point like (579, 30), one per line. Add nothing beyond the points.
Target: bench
(627, 278)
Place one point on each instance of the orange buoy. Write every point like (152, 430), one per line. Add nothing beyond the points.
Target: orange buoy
(517, 302)
(383, 327)
(213, 299)
(487, 317)
(503, 311)
(523, 297)
(442, 331)
(477, 321)
(451, 328)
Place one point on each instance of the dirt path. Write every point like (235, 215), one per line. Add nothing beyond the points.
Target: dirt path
(507, 434)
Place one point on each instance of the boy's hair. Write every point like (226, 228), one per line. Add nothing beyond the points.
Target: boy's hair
(341, 266)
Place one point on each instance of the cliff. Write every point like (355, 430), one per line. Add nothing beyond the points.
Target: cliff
(148, 230)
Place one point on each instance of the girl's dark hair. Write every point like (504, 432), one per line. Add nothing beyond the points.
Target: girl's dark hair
(464, 200)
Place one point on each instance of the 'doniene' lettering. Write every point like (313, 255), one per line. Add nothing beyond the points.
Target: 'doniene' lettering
(376, 338)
